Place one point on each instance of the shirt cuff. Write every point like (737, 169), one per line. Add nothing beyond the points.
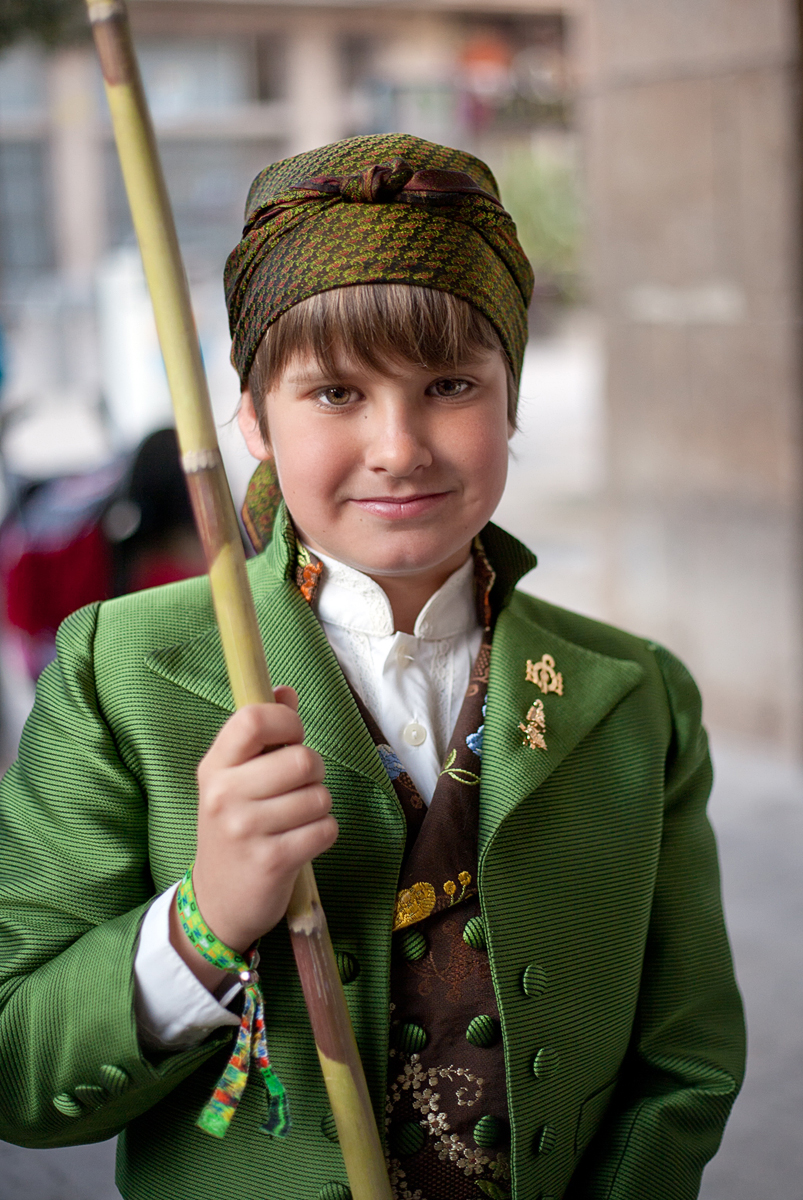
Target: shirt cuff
(173, 1008)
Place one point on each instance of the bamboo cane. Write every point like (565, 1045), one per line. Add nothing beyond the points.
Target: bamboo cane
(231, 594)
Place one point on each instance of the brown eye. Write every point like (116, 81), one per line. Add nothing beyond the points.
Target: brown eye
(337, 397)
(449, 388)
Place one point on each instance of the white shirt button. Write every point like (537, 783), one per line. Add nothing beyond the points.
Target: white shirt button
(414, 734)
(403, 656)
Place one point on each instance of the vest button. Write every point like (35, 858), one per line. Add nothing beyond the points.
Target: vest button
(474, 934)
(483, 1031)
(328, 1126)
(545, 1139)
(334, 1191)
(408, 1037)
(489, 1132)
(347, 966)
(414, 734)
(545, 1062)
(413, 945)
(407, 1139)
(68, 1106)
(534, 981)
(114, 1079)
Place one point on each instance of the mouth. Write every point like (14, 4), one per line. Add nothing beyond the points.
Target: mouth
(400, 508)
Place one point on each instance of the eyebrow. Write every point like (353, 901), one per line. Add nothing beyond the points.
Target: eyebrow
(317, 377)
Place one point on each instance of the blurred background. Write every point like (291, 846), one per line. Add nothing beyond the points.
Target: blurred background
(650, 153)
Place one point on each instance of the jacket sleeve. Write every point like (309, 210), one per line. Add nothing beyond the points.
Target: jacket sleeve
(686, 1059)
(74, 886)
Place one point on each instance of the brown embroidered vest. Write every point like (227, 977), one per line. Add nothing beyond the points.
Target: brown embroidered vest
(446, 1113)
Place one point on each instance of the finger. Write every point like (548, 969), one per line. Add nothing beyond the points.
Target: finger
(250, 731)
(299, 846)
(287, 696)
(270, 775)
(267, 818)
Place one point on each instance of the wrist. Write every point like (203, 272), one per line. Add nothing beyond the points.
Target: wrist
(210, 976)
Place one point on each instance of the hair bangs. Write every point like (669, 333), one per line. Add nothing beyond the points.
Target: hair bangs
(374, 324)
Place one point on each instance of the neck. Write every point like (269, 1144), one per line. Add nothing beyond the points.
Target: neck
(409, 593)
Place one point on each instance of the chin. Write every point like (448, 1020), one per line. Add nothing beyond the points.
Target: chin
(401, 560)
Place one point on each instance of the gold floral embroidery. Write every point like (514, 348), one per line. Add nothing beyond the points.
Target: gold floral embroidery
(413, 904)
(426, 1086)
(450, 887)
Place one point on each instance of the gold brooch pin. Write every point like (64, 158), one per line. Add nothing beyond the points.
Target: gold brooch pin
(544, 675)
(535, 728)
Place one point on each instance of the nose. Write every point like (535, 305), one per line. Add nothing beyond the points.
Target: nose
(398, 442)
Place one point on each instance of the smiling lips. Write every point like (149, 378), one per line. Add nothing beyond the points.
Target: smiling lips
(400, 508)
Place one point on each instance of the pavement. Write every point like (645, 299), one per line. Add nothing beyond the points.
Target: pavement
(757, 810)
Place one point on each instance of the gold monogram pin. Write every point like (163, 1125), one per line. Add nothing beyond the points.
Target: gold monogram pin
(544, 675)
(535, 728)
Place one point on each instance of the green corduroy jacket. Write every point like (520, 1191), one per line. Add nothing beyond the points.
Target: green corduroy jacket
(597, 873)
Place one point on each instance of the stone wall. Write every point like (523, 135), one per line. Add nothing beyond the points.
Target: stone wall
(690, 124)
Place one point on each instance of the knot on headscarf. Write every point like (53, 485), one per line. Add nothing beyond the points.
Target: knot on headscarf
(397, 181)
(390, 208)
(378, 183)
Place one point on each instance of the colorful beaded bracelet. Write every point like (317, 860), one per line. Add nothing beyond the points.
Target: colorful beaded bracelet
(251, 1042)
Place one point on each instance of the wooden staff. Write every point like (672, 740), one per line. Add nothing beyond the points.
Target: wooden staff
(231, 593)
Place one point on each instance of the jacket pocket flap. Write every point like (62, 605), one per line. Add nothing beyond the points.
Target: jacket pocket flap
(592, 1110)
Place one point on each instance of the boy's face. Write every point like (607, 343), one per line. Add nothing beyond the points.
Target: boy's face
(391, 473)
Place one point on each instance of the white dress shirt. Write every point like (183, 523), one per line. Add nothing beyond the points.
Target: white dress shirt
(412, 684)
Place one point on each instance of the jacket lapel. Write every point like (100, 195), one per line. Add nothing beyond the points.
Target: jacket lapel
(592, 685)
(298, 654)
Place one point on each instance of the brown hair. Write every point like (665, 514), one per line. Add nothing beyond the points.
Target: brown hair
(374, 323)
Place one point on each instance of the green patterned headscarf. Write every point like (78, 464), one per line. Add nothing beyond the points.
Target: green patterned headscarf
(385, 209)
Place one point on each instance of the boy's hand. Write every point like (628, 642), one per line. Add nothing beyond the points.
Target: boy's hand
(261, 816)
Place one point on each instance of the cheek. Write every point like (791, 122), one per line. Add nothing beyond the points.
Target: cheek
(311, 461)
(481, 449)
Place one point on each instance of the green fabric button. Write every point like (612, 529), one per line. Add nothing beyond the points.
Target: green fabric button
(91, 1095)
(68, 1106)
(347, 966)
(114, 1079)
(407, 1139)
(483, 1031)
(413, 945)
(474, 934)
(533, 981)
(335, 1191)
(545, 1063)
(545, 1139)
(328, 1126)
(409, 1038)
(489, 1131)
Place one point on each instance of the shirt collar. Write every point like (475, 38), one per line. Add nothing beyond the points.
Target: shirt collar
(511, 560)
(352, 600)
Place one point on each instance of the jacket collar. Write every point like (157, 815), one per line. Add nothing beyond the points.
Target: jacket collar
(592, 685)
(299, 654)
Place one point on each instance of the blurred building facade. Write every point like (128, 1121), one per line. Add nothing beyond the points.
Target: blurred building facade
(691, 123)
(687, 121)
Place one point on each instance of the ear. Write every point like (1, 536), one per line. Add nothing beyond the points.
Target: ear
(249, 428)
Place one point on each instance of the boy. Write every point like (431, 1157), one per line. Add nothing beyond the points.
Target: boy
(514, 857)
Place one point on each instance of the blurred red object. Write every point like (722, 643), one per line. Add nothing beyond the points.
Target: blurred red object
(68, 542)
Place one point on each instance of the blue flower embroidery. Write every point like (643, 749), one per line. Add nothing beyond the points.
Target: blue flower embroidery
(474, 740)
(390, 761)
